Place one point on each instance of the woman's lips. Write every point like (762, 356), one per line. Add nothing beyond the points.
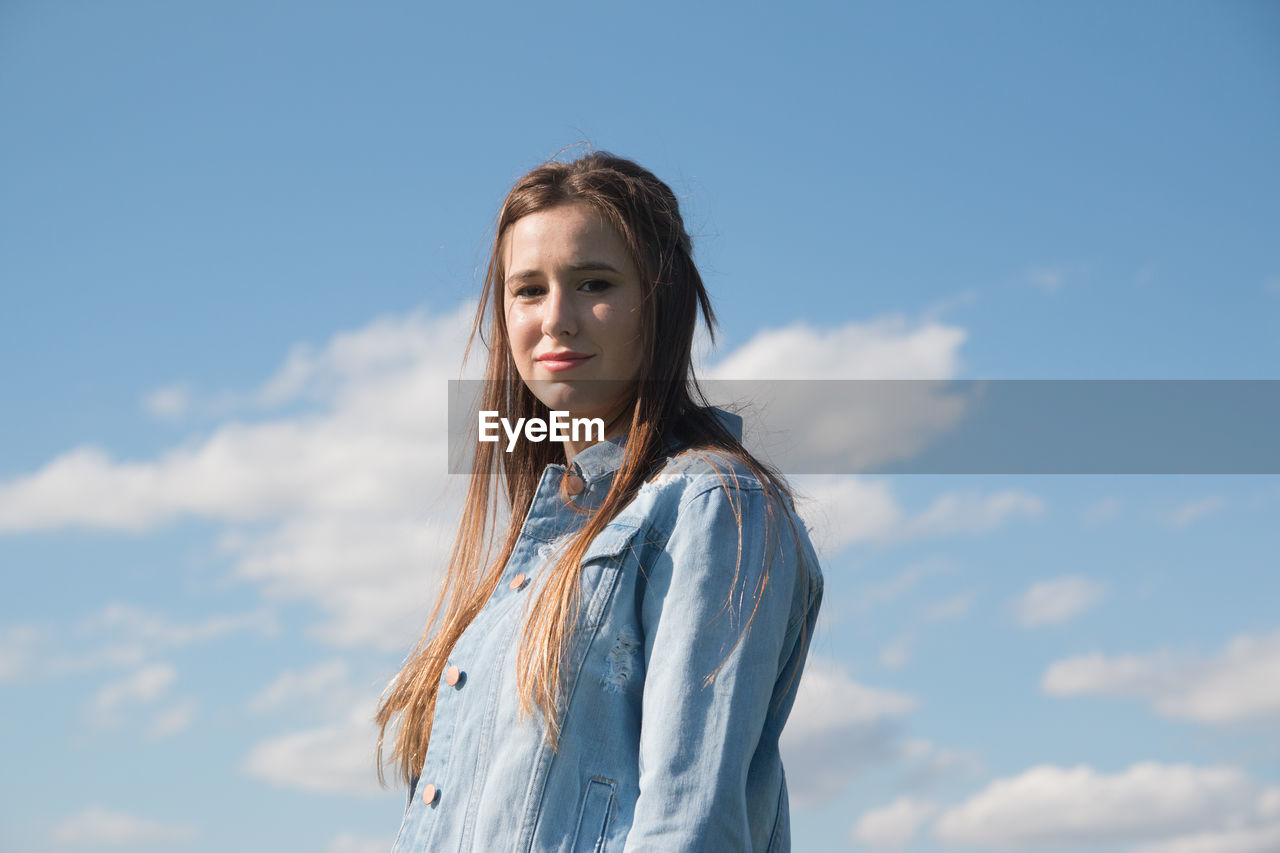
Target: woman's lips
(556, 362)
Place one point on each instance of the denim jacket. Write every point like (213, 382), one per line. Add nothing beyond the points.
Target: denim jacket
(650, 757)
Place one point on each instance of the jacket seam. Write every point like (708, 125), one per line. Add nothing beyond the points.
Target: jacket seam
(476, 789)
(773, 845)
(742, 485)
(593, 618)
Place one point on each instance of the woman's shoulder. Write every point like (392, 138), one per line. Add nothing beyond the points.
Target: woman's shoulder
(698, 472)
(721, 499)
(697, 465)
(712, 479)
(696, 469)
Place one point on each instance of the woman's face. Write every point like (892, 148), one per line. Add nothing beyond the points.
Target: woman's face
(572, 302)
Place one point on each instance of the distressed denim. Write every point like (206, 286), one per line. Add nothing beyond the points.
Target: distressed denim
(651, 758)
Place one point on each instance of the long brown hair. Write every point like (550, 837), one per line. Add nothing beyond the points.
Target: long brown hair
(667, 406)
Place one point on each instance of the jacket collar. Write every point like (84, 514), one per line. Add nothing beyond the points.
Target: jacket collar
(599, 461)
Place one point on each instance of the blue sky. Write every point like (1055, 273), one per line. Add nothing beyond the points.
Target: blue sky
(238, 243)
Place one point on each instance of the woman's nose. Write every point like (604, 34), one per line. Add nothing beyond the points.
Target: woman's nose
(559, 317)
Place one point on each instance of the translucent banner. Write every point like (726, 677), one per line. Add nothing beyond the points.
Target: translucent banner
(1051, 426)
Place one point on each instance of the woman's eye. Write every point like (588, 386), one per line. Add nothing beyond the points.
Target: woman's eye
(595, 285)
(529, 291)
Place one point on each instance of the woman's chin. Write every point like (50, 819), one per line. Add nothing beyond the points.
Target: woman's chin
(591, 398)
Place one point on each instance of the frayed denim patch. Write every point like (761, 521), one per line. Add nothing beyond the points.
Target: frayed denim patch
(621, 661)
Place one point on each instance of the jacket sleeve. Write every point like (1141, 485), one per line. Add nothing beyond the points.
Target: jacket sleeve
(697, 740)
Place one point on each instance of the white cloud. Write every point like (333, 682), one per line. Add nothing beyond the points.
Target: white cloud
(349, 842)
(845, 510)
(836, 727)
(106, 656)
(1128, 675)
(1102, 511)
(173, 720)
(875, 595)
(969, 512)
(100, 827)
(925, 764)
(1047, 279)
(893, 826)
(342, 499)
(889, 347)
(119, 636)
(338, 758)
(950, 608)
(1263, 838)
(377, 446)
(1195, 510)
(828, 700)
(144, 625)
(17, 643)
(1056, 601)
(169, 402)
(1269, 803)
(325, 683)
(945, 305)
(1240, 683)
(897, 653)
(373, 577)
(848, 510)
(866, 432)
(821, 428)
(147, 686)
(812, 426)
(144, 686)
(1048, 805)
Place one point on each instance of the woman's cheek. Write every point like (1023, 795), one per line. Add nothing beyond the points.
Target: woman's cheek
(604, 312)
(523, 332)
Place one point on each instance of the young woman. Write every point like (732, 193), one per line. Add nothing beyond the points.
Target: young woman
(609, 670)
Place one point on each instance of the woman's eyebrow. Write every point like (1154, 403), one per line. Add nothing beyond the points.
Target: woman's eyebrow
(580, 266)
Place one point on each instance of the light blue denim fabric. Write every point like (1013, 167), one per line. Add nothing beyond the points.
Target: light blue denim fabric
(649, 758)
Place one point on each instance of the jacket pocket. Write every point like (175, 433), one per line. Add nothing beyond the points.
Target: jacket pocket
(616, 538)
(606, 554)
(594, 817)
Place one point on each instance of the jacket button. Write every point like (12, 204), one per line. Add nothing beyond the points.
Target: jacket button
(517, 582)
(429, 794)
(452, 675)
(573, 484)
